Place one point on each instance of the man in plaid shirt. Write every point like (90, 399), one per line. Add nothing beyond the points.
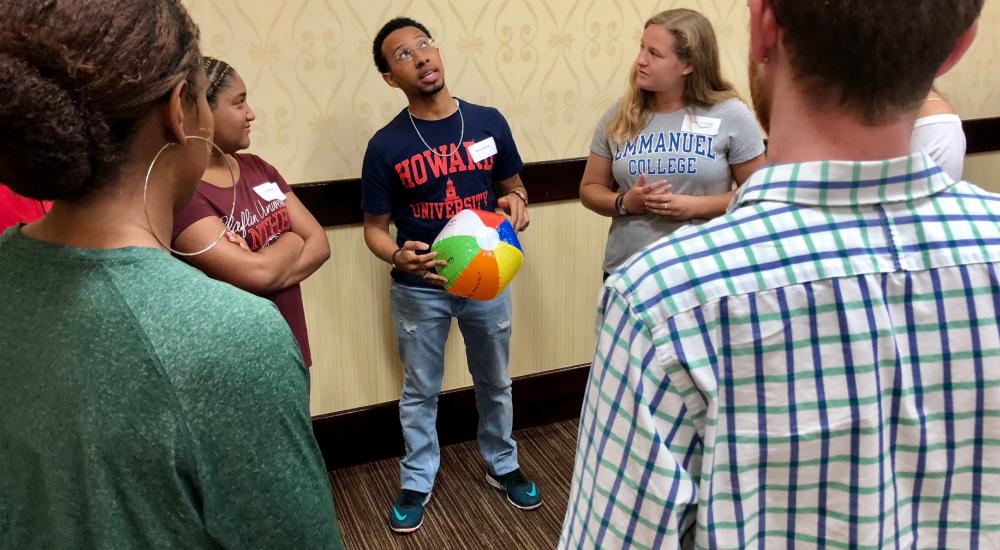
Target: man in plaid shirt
(821, 366)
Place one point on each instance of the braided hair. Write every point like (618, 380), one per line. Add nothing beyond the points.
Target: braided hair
(218, 73)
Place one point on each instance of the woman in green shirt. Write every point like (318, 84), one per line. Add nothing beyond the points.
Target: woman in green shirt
(142, 404)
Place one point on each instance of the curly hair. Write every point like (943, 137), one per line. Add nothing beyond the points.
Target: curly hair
(76, 79)
(392, 25)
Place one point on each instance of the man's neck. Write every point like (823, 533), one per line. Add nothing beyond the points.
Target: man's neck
(434, 107)
(802, 133)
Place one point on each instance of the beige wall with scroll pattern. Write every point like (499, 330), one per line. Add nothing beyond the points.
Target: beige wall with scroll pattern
(551, 67)
(351, 330)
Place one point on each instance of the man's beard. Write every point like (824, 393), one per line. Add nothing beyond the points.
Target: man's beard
(760, 94)
(433, 91)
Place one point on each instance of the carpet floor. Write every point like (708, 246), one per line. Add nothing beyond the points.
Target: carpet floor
(464, 512)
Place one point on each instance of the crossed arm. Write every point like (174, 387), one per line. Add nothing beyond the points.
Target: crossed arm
(288, 261)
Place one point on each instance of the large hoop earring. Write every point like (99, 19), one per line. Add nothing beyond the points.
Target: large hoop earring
(145, 188)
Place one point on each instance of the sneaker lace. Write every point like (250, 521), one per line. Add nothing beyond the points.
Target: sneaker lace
(513, 479)
(409, 499)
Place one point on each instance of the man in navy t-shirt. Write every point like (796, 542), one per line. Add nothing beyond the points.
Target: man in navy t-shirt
(436, 158)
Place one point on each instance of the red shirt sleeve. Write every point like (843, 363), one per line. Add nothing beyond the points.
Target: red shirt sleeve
(15, 209)
(198, 209)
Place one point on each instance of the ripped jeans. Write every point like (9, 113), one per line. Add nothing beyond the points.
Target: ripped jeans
(423, 320)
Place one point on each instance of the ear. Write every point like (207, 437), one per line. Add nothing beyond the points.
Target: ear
(962, 46)
(688, 69)
(390, 80)
(175, 112)
(763, 29)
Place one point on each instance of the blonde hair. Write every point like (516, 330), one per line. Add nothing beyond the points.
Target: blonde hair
(695, 44)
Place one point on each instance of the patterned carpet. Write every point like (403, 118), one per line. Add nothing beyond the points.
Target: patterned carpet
(464, 512)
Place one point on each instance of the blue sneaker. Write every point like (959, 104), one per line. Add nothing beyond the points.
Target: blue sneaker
(521, 492)
(408, 512)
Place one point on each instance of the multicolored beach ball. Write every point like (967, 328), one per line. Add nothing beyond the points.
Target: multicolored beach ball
(482, 252)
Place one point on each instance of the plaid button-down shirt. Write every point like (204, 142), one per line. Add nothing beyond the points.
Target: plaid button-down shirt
(819, 366)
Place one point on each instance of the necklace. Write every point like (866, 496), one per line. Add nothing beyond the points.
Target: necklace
(461, 136)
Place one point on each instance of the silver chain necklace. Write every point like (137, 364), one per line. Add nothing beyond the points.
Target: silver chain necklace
(460, 137)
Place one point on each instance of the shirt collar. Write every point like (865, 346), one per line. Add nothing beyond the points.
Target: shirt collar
(846, 183)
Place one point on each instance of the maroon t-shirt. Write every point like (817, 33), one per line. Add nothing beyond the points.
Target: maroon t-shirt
(258, 220)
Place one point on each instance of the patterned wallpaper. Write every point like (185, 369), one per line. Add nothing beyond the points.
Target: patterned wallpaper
(552, 67)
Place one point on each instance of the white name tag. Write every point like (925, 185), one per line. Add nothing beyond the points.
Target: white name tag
(483, 150)
(269, 191)
(701, 125)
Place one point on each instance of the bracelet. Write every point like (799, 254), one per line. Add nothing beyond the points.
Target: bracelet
(393, 260)
(520, 194)
(620, 205)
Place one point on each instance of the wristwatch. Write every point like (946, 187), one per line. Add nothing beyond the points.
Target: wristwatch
(620, 205)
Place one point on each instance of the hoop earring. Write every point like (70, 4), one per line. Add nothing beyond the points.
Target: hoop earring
(145, 188)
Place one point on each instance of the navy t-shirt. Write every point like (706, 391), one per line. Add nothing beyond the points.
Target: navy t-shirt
(422, 191)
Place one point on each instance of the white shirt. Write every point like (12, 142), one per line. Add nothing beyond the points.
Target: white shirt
(941, 137)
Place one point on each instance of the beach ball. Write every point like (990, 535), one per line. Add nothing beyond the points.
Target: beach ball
(482, 252)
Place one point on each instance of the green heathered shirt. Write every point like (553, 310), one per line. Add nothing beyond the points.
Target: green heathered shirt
(144, 405)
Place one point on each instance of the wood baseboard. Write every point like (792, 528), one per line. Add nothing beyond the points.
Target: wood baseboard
(367, 434)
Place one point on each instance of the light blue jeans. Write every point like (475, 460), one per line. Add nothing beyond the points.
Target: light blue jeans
(423, 320)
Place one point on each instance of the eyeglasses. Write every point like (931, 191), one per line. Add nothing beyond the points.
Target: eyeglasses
(406, 54)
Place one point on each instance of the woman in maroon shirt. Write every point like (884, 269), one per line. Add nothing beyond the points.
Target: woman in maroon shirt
(274, 242)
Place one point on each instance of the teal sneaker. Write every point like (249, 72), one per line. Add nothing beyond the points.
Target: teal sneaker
(521, 492)
(408, 512)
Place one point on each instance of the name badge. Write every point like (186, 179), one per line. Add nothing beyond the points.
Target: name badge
(483, 150)
(269, 191)
(701, 125)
